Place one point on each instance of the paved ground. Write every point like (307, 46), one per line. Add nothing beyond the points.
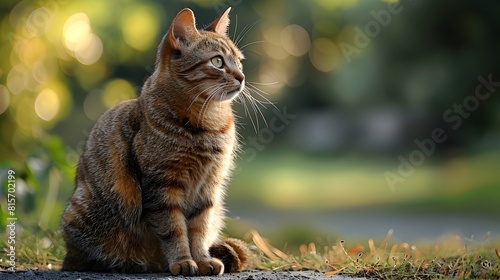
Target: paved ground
(252, 275)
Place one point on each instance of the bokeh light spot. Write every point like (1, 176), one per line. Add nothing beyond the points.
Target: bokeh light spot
(93, 106)
(267, 75)
(25, 119)
(140, 27)
(17, 79)
(32, 51)
(295, 40)
(274, 48)
(76, 29)
(90, 51)
(272, 33)
(79, 40)
(38, 20)
(276, 51)
(47, 104)
(333, 5)
(324, 54)
(4, 99)
(39, 72)
(117, 91)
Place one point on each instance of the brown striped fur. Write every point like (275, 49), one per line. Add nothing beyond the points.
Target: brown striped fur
(151, 180)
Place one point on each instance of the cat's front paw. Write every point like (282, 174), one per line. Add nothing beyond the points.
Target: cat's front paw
(186, 268)
(212, 266)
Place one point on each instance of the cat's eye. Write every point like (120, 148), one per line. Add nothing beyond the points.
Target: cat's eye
(217, 61)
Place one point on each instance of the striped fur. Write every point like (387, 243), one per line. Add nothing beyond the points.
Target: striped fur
(150, 182)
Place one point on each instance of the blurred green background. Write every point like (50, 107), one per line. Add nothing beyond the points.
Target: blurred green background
(388, 110)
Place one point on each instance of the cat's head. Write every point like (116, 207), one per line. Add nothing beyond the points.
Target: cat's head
(205, 65)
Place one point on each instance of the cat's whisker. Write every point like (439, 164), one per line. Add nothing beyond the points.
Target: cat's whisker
(263, 84)
(235, 28)
(195, 87)
(255, 127)
(251, 43)
(238, 99)
(199, 94)
(259, 53)
(220, 106)
(246, 109)
(258, 91)
(195, 98)
(221, 96)
(200, 113)
(204, 106)
(255, 110)
(244, 32)
(218, 88)
(237, 39)
(259, 102)
(253, 105)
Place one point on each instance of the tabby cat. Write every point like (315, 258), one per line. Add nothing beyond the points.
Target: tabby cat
(151, 180)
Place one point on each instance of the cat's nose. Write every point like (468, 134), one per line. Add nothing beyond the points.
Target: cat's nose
(240, 77)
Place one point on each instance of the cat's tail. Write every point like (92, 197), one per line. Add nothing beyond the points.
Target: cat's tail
(232, 252)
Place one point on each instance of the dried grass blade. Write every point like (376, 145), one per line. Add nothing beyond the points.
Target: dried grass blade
(303, 249)
(263, 245)
(385, 242)
(356, 249)
(330, 273)
(371, 245)
(312, 248)
(279, 253)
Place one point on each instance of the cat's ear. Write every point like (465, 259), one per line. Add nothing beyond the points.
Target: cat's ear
(183, 28)
(221, 24)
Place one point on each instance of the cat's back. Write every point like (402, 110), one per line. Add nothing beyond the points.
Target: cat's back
(120, 122)
(106, 165)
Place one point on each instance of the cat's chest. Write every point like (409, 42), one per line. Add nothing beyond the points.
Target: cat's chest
(196, 161)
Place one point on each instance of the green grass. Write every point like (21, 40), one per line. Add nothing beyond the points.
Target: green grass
(452, 257)
(449, 258)
(42, 251)
(286, 181)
